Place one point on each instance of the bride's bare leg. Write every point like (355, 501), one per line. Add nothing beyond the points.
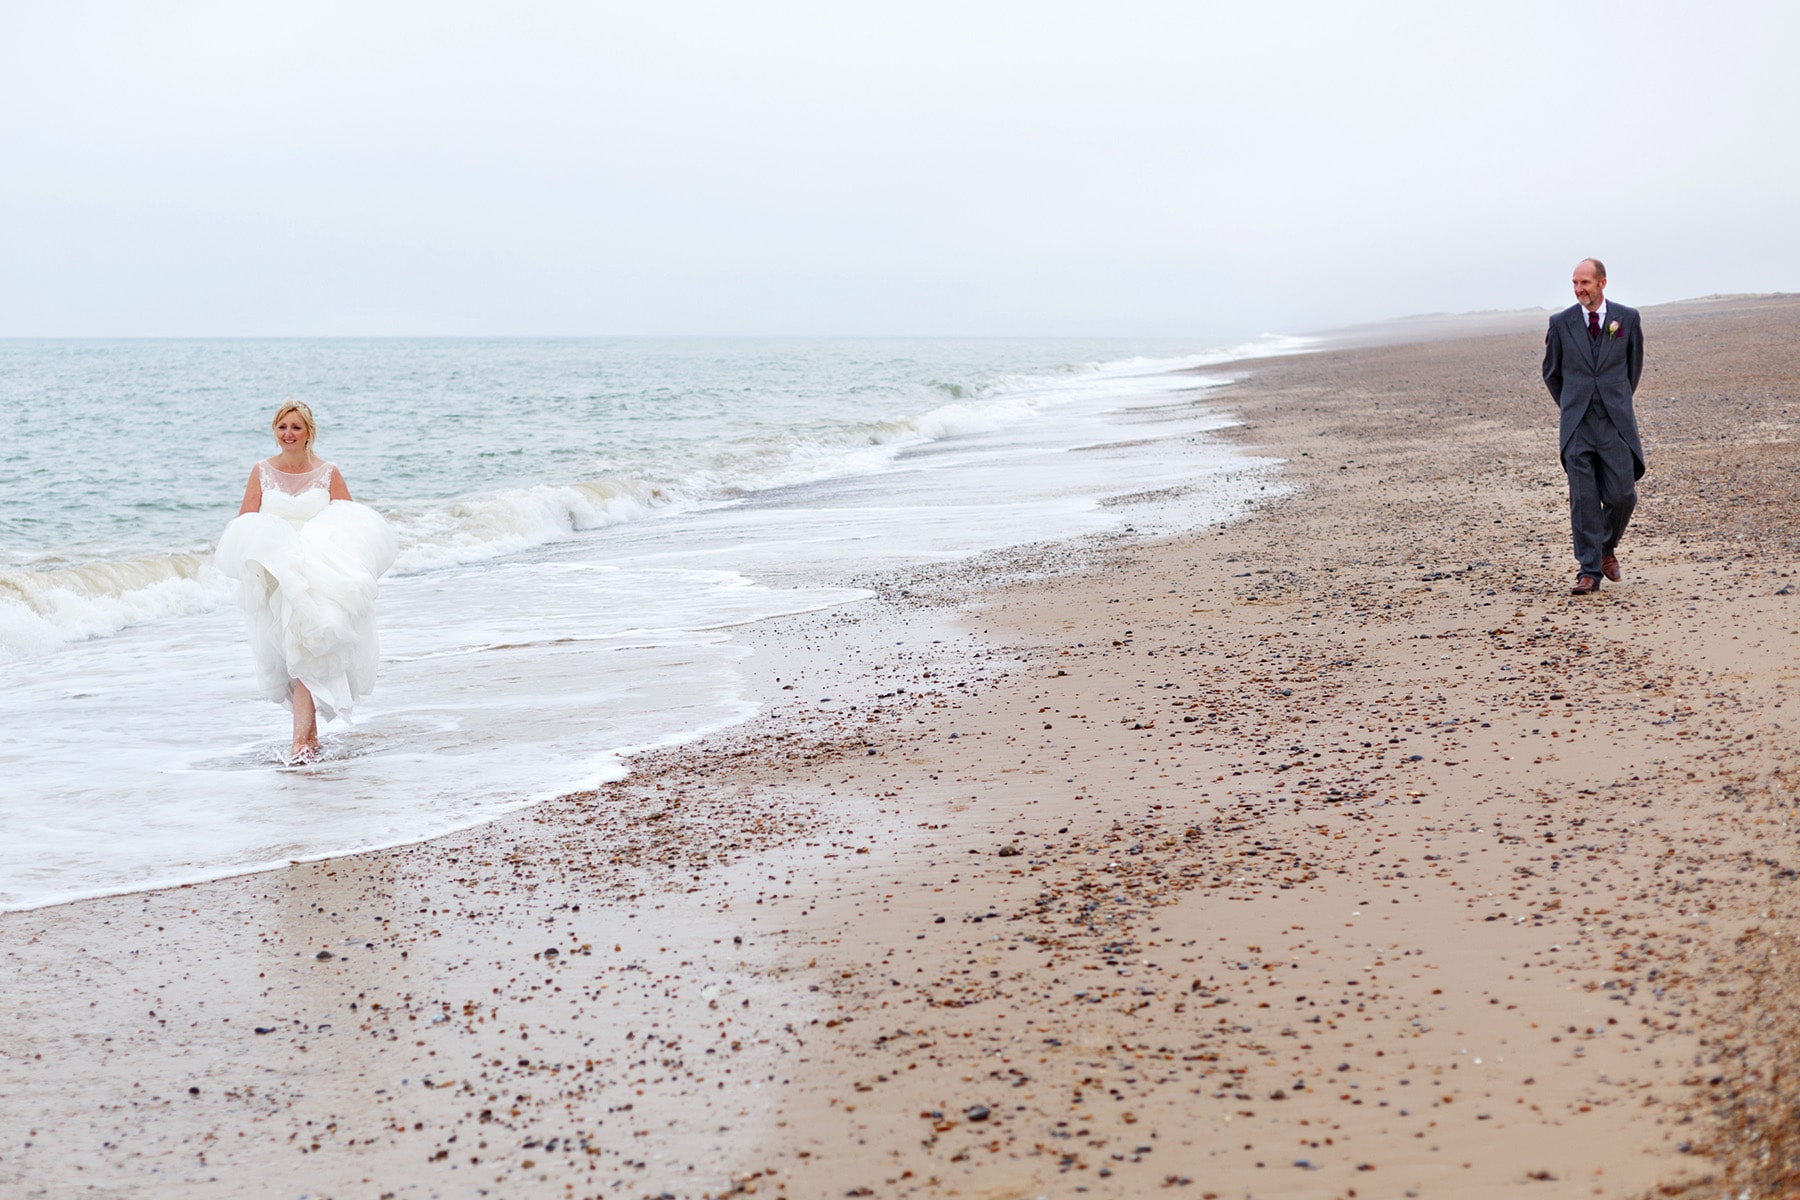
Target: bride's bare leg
(306, 721)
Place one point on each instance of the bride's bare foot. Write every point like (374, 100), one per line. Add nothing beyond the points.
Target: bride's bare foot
(306, 727)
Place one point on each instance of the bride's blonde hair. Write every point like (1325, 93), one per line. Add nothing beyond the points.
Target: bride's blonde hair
(305, 415)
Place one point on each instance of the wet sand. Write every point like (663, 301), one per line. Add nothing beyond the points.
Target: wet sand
(1336, 852)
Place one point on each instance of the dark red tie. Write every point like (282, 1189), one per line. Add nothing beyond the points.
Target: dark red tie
(1594, 325)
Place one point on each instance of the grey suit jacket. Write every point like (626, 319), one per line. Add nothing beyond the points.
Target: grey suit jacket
(1577, 369)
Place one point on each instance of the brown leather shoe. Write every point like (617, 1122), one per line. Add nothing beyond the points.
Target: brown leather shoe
(1587, 585)
(1609, 566)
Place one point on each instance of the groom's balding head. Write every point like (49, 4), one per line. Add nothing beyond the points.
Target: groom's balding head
(1590, 283)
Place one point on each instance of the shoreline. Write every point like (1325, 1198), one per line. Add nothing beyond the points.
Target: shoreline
(543, 669)
(1028, 888)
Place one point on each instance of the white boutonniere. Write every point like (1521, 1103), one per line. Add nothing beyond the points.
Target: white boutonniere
(1612, 330)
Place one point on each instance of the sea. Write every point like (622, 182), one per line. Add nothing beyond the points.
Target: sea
(589, 530)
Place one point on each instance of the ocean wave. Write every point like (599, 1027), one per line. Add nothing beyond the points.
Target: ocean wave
(40, 610)
(476, 528)
(43, 608)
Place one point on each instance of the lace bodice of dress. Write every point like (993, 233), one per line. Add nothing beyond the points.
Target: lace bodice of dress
(295, 495)
(295, 482)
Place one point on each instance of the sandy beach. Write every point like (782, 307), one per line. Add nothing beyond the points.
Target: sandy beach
(1337, 852)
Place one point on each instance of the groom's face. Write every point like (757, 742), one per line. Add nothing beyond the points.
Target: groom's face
(1589, 287)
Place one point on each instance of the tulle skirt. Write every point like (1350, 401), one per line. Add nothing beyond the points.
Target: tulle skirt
(309, 592)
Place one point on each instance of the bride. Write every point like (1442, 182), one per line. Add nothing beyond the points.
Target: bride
(306, 558)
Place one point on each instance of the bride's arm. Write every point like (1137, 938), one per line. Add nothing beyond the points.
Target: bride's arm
(252, 492)
(339, 489)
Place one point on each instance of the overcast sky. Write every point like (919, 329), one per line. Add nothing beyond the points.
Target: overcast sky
(912, 167)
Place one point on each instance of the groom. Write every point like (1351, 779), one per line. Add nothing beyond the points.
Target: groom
(1593, 356)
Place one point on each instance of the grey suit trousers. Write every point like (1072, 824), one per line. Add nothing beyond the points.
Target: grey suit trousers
(1602, 488)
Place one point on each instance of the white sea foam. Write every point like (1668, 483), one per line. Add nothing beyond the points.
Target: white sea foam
(492, 526)
(41, 610)
(149, 764)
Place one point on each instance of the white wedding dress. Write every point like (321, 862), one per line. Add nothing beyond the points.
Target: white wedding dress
(306, 568)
